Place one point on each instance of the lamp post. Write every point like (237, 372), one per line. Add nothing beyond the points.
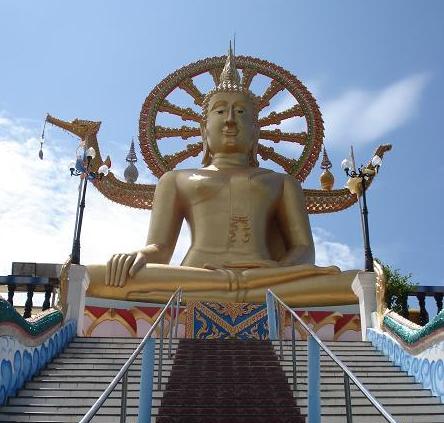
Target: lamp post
(362, 175)
(82, 167)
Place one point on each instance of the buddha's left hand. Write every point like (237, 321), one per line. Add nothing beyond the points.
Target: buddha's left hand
(123, 266)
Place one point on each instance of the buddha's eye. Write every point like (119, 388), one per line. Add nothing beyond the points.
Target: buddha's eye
(219, 112)
(240, 111)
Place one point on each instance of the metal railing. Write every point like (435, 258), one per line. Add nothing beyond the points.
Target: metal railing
(313, 348)
(147, 365)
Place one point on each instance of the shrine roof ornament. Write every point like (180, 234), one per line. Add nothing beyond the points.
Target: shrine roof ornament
(229, 73)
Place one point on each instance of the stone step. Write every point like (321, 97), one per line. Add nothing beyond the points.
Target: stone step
(287, 356)
(76, 385)
(115, 347)
(355, 345)
(98, 366)
(86, 352)
(339, 393)
(331, 364)
(225, 342)
(133, 392)
(37, 418)
(335, 347)
(336, 385)
(120, 361)
(334, 372)
(245, 410)
(263, 409)
(62, 373)
(133, 401)
(133, 419)
(98, 342)
(394, 410)
(326, 380)
(80, 411)
(406, 418)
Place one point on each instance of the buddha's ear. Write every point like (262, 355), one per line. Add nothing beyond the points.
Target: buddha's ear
(203, 130)
(253, 152)
(206, 159)
(253, 155)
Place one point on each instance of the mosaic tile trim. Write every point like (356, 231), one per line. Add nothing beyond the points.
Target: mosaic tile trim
(19, 363)
(427, 368)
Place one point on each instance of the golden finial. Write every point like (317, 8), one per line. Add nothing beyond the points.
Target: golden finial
(327, 179)
(229, 78)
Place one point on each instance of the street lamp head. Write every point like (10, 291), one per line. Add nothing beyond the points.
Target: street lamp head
(346, 165)
(72, 167)
(376, 161)
(103, 170)
(90, 153)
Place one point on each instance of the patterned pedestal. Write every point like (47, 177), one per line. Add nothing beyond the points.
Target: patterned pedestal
(217, 320)
(206, 320)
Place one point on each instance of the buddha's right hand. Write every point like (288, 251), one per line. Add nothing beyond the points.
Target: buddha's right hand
(121, 267)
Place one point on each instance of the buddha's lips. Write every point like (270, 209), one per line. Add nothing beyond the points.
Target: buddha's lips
(230, 133)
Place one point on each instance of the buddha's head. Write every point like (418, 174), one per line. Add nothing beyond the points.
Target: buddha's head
(230, 117)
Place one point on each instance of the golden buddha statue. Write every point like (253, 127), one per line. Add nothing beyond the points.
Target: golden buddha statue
(249, 226)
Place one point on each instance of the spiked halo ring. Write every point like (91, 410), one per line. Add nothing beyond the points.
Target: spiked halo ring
(305, 107)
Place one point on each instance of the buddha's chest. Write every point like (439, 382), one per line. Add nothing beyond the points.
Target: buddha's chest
(238, 192)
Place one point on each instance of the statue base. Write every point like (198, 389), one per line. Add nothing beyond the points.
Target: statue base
(105, 318)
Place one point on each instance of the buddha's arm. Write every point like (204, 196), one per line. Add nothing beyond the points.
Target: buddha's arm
(295, 226)
(165, 223)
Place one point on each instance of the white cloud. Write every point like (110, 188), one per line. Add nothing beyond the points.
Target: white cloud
(330, 252)
(360, 116)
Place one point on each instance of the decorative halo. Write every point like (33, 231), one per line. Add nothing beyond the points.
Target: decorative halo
(281, 80)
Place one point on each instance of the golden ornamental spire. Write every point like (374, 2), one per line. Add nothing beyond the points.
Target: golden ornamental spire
(230, 78)
(327, 179)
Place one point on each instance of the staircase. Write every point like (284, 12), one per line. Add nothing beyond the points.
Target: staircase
(227, 381)
(218, 381)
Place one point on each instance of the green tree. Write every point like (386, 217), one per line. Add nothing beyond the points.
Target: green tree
(397, 289)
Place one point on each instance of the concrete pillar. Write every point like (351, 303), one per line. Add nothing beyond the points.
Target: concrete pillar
(77, 285)
(364, 286)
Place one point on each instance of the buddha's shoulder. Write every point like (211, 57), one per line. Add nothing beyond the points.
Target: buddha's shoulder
(265, 171)
(181, 176)
(272, 174)
(182, 173)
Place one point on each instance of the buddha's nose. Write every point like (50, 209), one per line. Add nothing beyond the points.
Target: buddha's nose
(230, 122)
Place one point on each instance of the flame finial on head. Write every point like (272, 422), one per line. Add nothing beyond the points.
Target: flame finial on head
(229, 77)
(229, 81)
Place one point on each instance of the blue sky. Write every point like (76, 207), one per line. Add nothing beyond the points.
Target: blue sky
(376, 69)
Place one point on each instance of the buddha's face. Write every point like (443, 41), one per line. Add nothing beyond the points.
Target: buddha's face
(231, 125)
